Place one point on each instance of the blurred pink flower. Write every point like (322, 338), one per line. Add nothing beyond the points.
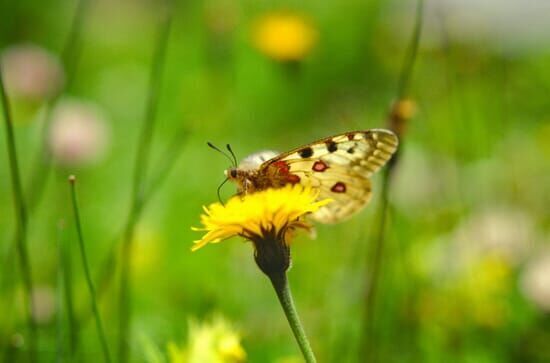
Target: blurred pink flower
(31, 71)
(44, 307)
(535, 281)
(78, 134)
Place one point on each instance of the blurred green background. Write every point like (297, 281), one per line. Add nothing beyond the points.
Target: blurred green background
(465, 268)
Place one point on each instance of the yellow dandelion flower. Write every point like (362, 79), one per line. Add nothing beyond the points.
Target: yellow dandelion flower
(267, 218)
(269, 213)
(284, 36)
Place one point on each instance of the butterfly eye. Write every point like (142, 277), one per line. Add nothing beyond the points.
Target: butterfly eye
(233, 173)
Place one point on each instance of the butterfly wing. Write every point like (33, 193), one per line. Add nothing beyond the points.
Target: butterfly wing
(340, 166)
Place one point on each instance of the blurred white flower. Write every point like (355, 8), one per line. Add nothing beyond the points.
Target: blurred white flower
(31, 72)
(535, 281)
(78, 133)
(499, 24)
(431, 177)
(43, 298)
(508, 233)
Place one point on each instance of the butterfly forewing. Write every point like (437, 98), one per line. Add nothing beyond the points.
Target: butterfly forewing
(340, 166)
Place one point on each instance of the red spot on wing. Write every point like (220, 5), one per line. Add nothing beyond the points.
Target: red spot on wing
(282, 166)
(319, 166)
(338, 188)
(293, 178)
(351, 136)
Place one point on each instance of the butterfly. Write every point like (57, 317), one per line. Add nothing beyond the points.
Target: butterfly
(339, 166)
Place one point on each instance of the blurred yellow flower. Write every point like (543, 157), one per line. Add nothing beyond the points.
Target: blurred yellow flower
(485, 289)
(212, 342)
(147, 251)
(284, 36)
(478, 296)
(257, 216)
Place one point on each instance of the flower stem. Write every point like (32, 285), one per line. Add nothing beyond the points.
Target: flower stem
(138, 190)
(99, 326)
(66, 284)
(367, 342)
(282, 288)
(21, 218)
(70, 57)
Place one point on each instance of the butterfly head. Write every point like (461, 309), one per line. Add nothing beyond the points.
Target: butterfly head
(232, 173)
(235, 174)
(242, 178)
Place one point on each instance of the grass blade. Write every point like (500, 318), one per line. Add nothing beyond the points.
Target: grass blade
(375, 257)
(137, 199)
(95, 308)
(22, 223)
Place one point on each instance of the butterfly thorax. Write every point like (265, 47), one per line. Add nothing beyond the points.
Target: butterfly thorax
(250, 177)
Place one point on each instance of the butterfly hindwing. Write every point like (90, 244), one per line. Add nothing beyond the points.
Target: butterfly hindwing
(340, 166)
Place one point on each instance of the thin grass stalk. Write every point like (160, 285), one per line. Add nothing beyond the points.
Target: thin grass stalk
(66, 268)
(165, 166)
(137, 198)
(158, 176)
(412, 51)
(375, 259)
(70, 56)
(88, 275)
(60, 326)
(41, 164)
(22, 224)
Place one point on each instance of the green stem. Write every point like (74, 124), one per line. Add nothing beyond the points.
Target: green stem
(21, 217)
(70, 57)
(282, 288)
(410, 56)
(139, 176)
(368, 344)
(371, 292)
(66, 282)
(99, 326)
(60, 351)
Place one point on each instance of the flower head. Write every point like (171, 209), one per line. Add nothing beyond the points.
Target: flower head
(256, 215)
(535, 281)
(284, 36)
(214, 341)
(78, 134)
(44, 307)
(267, 218)
(31, 71)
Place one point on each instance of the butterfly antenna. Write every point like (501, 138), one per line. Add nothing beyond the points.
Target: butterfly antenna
(220, 151)
(232, 154)
(218, 191)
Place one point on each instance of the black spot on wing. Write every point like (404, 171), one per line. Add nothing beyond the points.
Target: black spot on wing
(306, 152)
(331, 146)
